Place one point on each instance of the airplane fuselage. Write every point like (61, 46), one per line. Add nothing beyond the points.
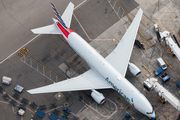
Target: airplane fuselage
(119, 83)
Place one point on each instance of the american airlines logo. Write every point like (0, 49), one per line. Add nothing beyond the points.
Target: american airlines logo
(118, 90)
(58, 16)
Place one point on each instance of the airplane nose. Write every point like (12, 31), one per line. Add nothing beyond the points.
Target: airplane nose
(145, 107)
(152, 115)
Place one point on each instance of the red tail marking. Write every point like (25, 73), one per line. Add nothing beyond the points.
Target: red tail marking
(70, 30)
(64, 31)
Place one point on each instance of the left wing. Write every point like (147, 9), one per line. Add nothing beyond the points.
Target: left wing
(119, 57)
(87, 81)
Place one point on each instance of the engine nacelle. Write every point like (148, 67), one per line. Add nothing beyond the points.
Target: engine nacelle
(98, 97)
(134, 69)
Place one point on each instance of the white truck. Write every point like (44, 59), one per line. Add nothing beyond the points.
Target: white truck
(6, 80)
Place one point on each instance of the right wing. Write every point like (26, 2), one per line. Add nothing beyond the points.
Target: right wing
(87, 81)
(119, 57)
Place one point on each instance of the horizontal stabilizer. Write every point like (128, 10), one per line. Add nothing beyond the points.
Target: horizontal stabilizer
(50, 29)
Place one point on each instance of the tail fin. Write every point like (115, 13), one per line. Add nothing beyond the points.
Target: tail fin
(67, 15)
(58, 17)
(59, 26)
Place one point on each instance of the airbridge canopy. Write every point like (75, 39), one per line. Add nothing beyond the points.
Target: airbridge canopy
(168, 96)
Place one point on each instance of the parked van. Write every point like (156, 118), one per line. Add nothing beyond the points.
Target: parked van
(161, 63)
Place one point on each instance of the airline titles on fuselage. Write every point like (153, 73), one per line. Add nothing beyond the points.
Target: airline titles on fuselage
(117, 89)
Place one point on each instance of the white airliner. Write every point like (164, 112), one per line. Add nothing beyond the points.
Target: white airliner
(106, 72)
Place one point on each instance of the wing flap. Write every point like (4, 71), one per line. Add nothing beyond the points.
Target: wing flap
(120, 56)
(87, 81)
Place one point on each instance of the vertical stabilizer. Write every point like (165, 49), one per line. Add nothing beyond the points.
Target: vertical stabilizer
(67, 15)
(58, 17)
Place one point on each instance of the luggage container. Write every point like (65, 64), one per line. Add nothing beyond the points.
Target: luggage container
(40, 113)
(165, 77)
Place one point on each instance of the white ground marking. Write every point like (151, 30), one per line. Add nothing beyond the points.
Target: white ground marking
(19, 48)
(33, 38)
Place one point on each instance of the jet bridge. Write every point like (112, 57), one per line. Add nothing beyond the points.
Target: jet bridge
(174, 101)
(169, 41)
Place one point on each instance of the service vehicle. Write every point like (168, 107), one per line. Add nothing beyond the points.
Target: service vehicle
(158, 72)
(6, 80)
(139, 44)
(127, 116)
(65, 109)
(165, 77)
(19, 88)
(161, 63)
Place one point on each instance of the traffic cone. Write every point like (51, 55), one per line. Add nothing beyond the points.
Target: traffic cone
(160, 98)
(169, 50)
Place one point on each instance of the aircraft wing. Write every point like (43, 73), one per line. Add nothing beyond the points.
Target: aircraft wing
(86, 81)
(67, 15)
(120, 56)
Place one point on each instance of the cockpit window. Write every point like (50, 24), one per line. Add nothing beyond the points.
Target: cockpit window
(150, 112)
(164, 66)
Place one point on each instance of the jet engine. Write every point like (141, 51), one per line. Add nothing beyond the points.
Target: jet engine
(98, 97)
(134, 69)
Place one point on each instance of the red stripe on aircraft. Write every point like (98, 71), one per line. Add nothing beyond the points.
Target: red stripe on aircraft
(64, 31)
(133, 104)
(70, 30)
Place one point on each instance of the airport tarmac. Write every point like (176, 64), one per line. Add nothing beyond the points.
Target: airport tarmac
(98, 22)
